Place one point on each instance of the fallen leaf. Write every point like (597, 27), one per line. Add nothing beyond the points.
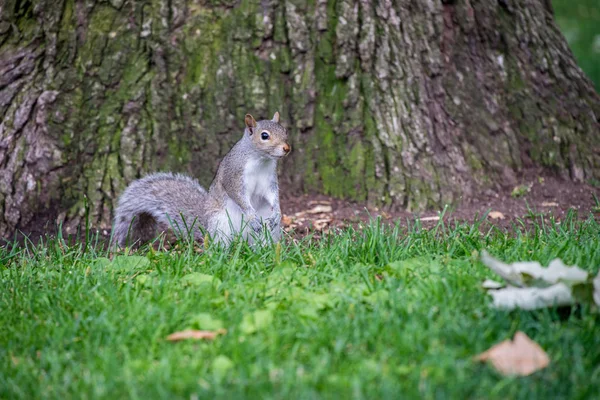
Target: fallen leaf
(531, 286)
(129, 263)
(490, 284)
(521, 356)
(531, 273)
(258, 320)
(521, 190)
(286, 220)
(313, 202)
(320, 209)
(532, 298)
(195, 335)
(549, 204)
(221, 365)
(206, 322)
(496, 215)
(198, 279)
(425, 219)
(322, 223)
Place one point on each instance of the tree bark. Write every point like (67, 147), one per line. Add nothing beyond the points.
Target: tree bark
(404, 103)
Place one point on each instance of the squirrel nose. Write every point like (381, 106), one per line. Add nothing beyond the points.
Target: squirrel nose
(286, 148)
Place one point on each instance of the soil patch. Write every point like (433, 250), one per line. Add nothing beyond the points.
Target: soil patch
(536, 197)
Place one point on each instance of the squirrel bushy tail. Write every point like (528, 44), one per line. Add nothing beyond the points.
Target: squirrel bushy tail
(155, 202)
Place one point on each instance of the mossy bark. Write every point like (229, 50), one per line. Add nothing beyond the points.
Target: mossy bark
(406, 103)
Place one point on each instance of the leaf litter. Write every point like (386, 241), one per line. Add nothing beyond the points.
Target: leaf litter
(520, 356)
(531, 286)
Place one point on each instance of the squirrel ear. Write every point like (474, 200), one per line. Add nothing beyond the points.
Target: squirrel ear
(250, 123)
(276, 117)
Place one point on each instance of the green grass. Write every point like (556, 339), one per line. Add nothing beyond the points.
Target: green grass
(370, 313)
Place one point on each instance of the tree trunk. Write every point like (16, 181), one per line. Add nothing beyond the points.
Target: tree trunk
(414, 103)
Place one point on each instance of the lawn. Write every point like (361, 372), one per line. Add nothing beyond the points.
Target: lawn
(365, 313)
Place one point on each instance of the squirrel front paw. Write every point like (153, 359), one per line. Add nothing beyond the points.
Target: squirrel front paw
(274, 220)
(255, 224)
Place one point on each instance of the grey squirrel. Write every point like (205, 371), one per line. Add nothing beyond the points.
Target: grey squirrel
(243, 197)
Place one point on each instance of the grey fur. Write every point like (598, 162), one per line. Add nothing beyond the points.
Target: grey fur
(159, 201)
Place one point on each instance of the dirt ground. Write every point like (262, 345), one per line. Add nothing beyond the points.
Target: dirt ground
(545, 196)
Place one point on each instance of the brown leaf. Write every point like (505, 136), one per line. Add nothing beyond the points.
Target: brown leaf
(496, 215)
(425, 219)
(286, 220)
(322, 223)
(521, 356)
(195, 334)
(320, 209)
(313, 202)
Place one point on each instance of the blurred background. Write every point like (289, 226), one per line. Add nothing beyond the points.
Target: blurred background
(579, 21)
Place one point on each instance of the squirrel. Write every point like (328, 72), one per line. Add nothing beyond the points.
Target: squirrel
(243, 197)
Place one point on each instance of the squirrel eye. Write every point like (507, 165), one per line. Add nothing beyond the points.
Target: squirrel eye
(264, 135)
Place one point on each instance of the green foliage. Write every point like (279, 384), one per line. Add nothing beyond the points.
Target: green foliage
(580, 23)
(376, 312)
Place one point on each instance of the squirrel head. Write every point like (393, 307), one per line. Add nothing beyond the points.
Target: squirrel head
(268, 136)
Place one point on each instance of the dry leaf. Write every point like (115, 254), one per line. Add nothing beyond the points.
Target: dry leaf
(313, 202)
(490, 284)
(532, 298)
(521, 356)
(496, 215)
(320, 224)
(286, 220)
(531, 273)
(425, 219)
(531, 286)
(320, 209)
(195, 335)
(549, 204)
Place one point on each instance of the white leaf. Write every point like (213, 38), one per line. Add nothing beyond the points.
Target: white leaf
(490, 284)
(516, 273)
(532, 298)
